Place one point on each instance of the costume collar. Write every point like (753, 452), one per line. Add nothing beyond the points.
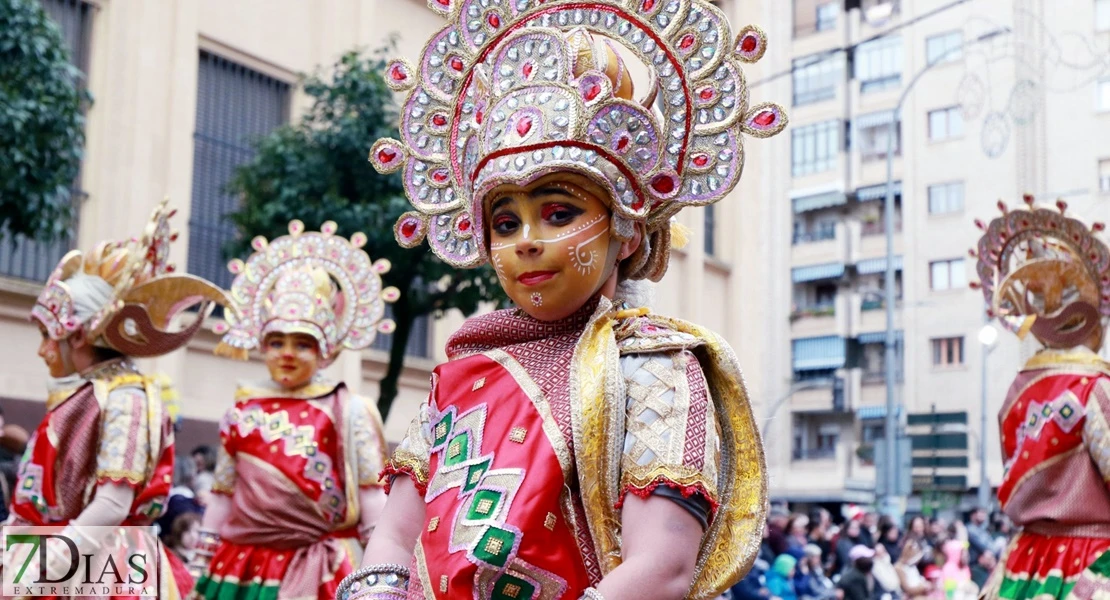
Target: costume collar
(60, 389)
(267, 388)
(513, 326)
(1080, 355)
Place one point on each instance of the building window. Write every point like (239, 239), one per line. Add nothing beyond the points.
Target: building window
(419, 336)
(872, 135)
(946, 47)
(816, 78)
(946, 123)
(814, 148)
(812, 16)
(1102, 89)
(947, 274)
(710, 230)
(1104, 176)
(946, 198)
(814, 440)
(1102, 15)
(826, 15)
(235, 106)
(878, 64)
(948, 352)
(25, 258)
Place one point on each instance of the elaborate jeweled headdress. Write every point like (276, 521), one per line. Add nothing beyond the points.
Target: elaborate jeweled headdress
(1034, 252)
(316, 283)
(136, 297)
(511, 90)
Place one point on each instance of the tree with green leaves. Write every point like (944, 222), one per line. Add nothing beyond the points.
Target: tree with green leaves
(41, 125)
(317, 170)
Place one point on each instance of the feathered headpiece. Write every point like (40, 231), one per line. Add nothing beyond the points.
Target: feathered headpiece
(125, 293)
(512, 90)
(315, 283)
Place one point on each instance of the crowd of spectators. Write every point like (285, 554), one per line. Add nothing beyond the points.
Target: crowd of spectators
(868, 557)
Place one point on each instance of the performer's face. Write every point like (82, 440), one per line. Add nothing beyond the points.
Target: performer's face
(292, 358)
(51, 352)
(550, 244)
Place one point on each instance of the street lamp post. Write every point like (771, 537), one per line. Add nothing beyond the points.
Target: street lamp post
(891, 502)
(988, 337)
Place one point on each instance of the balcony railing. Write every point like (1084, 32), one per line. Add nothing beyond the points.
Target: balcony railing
(878, 227)
(810, 237)
(821, 310)
(814, 453)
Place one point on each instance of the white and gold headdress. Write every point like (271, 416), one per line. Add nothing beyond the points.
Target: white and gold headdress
(1036, 259)
(511, 90)
(125, 293)
(315, 283)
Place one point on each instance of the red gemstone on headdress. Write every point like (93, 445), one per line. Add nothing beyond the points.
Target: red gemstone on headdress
(637, 204)
(478, 116)
(463, 224)
(386, 155)
(456, 63)
(524, 125)
(647, 5)
(494, 20)
(701, 160)
(1098, 226)
(592, 91)
(408, 228)
(707, 94)
(622, 143)
(687, 41)
(439, 176)
(397, 73)
(749, 44)
(439, 120)
(527, 69)
(663, 184)
(444, 3)
(765, 118)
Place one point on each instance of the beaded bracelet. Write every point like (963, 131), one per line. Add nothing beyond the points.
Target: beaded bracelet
(591, 594)
(383, 582)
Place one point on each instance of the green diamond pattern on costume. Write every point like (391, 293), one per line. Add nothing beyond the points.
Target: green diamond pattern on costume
(474, 475)
(484, 505)
(458, 450)
(1025, 589)
(210, 589)
(495, 546)
(444, 428)
(513, 588)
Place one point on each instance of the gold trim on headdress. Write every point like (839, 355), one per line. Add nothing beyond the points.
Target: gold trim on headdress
(316, 283)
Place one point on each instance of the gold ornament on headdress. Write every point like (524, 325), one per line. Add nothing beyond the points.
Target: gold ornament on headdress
(1035, 260)
(513, 90)
(316, 283)
(145, 294)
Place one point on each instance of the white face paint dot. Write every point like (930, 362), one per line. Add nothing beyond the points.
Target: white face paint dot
(537, 299)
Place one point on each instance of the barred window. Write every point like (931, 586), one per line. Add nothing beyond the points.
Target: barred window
(235, 107)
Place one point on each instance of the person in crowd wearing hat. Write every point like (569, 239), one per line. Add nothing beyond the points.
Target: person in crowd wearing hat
(780, 579)
(857, 582)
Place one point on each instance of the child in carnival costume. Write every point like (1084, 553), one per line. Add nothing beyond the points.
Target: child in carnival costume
(577, 446)
(104, 453)
(1048, 274)
(296, 489)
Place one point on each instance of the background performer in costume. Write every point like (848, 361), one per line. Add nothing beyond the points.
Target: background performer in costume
(296, 490)
(1047, 274)
(577, 446)
(104, 453)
